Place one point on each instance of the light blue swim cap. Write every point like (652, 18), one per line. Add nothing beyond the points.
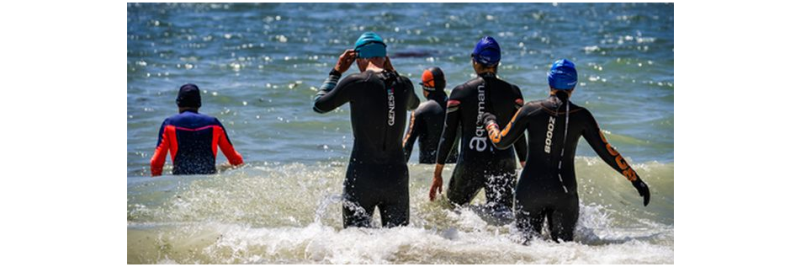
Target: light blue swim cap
(370, 45)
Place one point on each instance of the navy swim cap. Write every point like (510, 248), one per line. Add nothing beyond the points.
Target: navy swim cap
(370, 45)
(562, 75)
(487, 52)
(188, 96)
(433, 79)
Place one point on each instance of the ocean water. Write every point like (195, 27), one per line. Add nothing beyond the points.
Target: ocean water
(259, 66)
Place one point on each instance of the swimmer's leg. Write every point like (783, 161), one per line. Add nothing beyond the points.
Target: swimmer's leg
(464, 185)
(355, 214)
(395, 202)
(564, 219)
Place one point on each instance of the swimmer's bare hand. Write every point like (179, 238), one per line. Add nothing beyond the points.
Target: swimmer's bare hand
(345, 61)
(437, 182)
(522, 163)
(227, 166)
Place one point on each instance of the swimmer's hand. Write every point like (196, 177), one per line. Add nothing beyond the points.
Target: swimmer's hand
(487, 119)
(227, 166)
(644, 191)
(437, 182)
(345, 61)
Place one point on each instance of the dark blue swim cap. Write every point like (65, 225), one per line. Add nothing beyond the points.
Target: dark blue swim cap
(188, 96)
(562, 75)
(487, 52)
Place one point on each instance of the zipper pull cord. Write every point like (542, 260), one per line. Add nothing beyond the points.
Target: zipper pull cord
(563, 147)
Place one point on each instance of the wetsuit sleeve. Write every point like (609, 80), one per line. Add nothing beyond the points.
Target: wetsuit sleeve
(451, 121)
(234, 158)
(594, 136)
(521, 145)
(413, 100)
(160, 155)
(510, 134)
(412, 134)
(332, 95)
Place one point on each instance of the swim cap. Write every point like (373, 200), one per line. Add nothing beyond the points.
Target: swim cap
(562, 75)
(370, 45)
(487, 52)
(188, 96)
(433, 79)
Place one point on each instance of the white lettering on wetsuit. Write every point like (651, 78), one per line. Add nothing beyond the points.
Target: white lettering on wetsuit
(550, 126)
(391, 106)
(478, 142)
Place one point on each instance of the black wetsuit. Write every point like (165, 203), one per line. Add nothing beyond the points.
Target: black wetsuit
(427, 123)
(541, 192)
(377, 174)
(481, 165)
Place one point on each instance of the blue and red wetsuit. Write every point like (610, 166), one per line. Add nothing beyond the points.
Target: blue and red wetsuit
(192, 141)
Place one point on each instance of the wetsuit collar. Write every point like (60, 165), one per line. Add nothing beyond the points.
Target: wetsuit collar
(487, 74)
(436, 96)
(557, 101)
(189, 110)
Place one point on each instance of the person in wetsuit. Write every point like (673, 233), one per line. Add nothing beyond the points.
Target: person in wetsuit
(547, 186)
(428, 120)
(192, 139)
(480, 165)
(377, 175)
